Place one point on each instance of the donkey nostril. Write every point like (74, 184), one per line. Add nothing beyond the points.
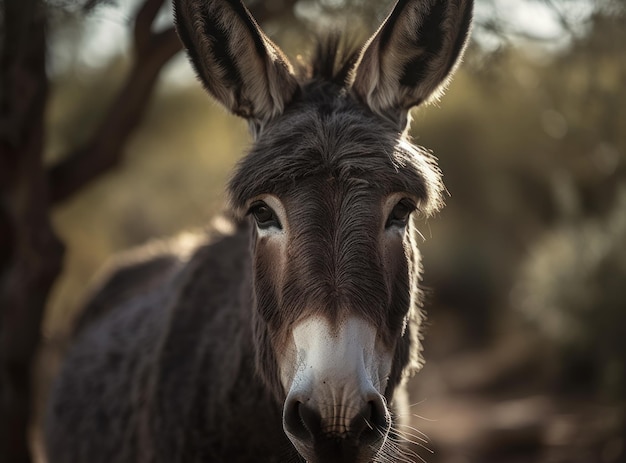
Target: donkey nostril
(301, 421)
(372, 422)
(292, 422)
(311, 419)
(380, 414)
(362, 421)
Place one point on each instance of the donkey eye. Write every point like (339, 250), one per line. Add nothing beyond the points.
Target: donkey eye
(264, 216)
(400, 213)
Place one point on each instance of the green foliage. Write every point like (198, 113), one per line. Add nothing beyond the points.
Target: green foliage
(534, 156)
(571, 287)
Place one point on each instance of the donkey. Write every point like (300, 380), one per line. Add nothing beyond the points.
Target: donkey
(285, 332)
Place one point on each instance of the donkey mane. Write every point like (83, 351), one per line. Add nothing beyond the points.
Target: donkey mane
(294, 151)
(333, 59)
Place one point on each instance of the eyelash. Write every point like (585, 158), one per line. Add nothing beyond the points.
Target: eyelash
(399, 215)
(264, 216)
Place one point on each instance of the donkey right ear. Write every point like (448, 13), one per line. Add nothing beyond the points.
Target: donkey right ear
(412, 55)
(237, 63)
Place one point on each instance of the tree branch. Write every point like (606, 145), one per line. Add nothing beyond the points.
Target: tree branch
(104, 149)
(144, 20)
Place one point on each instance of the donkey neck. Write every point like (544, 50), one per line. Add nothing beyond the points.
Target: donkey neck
(214, 304)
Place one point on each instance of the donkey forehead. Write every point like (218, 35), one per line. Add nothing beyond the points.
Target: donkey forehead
(335, 141)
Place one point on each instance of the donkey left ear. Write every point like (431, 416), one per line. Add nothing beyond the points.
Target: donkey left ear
(237, 63)
(412, 55)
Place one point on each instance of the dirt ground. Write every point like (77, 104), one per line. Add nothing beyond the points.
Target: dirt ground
(495, 405)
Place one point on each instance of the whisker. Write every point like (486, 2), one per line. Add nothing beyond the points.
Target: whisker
(392, 454)
(420, 234)
(430, 420)
(408, 452)
(416, 444)
(418, 403)
(413, 428)
(419, 437)
(404, 454)
(418, 441)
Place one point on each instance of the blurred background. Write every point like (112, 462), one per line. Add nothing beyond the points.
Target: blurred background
(525, 267)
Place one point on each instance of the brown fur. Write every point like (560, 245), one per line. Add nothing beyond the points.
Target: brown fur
(176, 358)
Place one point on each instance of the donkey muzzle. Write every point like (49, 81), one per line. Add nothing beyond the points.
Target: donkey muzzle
(335, 411)
(347, 437)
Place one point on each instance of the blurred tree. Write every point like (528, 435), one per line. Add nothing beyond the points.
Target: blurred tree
(30, 253)
(102, 151)
(570, 283)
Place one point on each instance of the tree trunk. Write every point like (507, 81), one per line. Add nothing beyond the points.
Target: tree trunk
(30, 253)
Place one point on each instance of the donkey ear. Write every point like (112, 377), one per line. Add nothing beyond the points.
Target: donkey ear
(412, 55)
(237, 63)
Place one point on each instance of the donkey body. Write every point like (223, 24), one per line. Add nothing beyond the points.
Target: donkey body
(286, 332)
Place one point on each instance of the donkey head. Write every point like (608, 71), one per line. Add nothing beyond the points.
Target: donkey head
(331, 185)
